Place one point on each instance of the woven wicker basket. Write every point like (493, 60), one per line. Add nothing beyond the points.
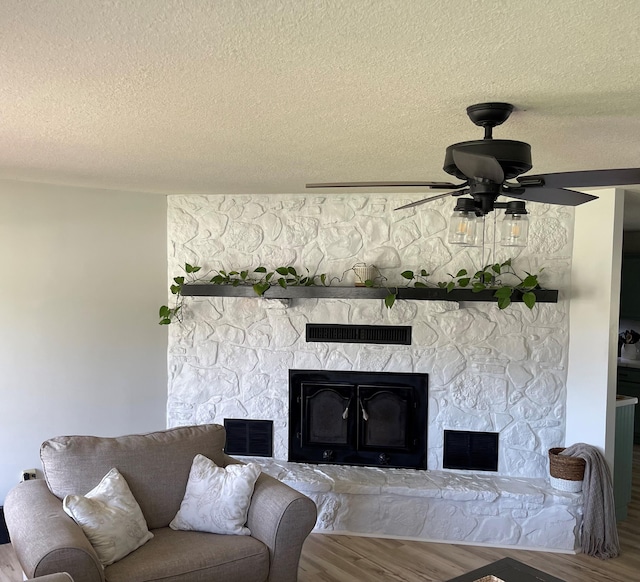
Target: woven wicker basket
(565, 467)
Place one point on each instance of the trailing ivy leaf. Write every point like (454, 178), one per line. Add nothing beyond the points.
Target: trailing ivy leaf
(424, 273)
(507, 263)
(488, 277)
(389, 300)
(190, 268)
(529, 299)
(260, 270)
(368, 283)
(268, 277)
(175, 289)
(464, 281)
(302, 281)
(450, 286)
(420, 285)
(223, 272)
(260, 288)
(231, 273)
(292, 271)
(496, 268)
(244, 274)
(530, 281)
(504, 292)
(165, 321)
(282, 271)
(164, 311)
(235, 282)
(477, 287)
(461, 273)
(504, 302)
(218, 280)
(323, 278)
(179, 280)
(407, 274)
(478, 275)
(282, 282)
(442, 285)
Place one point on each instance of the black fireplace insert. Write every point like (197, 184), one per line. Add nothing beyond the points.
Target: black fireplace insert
(358, 418)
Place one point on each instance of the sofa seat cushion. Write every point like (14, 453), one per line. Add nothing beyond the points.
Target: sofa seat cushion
(188, 556)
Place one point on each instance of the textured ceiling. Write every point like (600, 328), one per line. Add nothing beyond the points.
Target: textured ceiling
(255, 96)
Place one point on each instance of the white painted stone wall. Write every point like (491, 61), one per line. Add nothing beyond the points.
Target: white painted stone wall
(489, 370)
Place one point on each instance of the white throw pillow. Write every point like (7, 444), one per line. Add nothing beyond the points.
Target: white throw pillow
(110, 517)
(217, 499)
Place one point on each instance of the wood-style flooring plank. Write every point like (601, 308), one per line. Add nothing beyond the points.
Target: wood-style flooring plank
(10, 570)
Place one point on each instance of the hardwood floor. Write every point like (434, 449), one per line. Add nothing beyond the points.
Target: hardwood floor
(328, 558)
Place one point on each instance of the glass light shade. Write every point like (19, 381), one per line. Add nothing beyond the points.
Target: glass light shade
(514, 230)
(463, 228)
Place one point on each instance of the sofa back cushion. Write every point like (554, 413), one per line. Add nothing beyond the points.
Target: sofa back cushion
(156, 465)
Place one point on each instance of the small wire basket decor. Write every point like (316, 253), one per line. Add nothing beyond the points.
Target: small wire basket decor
(566, 472)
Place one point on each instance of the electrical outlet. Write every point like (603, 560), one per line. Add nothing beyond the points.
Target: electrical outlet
(28, 475)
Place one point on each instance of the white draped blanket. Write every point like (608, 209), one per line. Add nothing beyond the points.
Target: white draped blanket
(599, 530)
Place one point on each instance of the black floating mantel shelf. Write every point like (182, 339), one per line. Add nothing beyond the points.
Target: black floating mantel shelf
(343, 292)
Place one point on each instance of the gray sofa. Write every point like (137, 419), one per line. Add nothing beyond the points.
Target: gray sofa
(156, 466)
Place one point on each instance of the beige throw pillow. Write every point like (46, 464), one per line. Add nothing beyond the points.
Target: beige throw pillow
(110, 517)
(217, 499)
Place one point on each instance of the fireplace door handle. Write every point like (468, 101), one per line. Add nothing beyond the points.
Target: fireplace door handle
(365, 416)
(345, 414)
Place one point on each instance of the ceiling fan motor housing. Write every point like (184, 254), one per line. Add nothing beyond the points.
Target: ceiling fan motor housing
(514, 156)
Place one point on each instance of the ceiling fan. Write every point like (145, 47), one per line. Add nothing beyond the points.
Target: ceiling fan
(485, 167)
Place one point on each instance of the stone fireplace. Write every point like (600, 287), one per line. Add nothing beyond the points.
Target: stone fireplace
(491, 372)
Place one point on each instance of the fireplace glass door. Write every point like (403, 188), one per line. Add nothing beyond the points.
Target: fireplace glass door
(384, 417)
(327, 413)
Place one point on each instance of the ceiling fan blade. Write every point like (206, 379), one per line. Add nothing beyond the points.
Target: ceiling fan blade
(586, 178)
(553, 196)
(479, 166)
(419, 202)
(430, 185)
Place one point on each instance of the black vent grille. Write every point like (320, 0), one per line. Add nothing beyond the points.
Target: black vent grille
(4, 533)
(474, 451)
(359, 334)
(253, 438)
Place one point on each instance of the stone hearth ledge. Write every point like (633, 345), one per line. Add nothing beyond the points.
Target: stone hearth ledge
(436, 506)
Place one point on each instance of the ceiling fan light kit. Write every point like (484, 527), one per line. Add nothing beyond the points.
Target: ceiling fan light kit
(514, 230)
(464, 224)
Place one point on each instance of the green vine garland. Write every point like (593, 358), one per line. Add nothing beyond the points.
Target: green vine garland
(262, 279)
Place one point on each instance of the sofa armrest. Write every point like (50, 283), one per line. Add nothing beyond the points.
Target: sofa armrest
(281, 518)
(45, 539)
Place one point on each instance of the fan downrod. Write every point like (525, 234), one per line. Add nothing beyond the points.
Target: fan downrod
(489, 115)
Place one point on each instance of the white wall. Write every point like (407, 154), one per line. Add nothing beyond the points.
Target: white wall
(83, 274)
(595, 307)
